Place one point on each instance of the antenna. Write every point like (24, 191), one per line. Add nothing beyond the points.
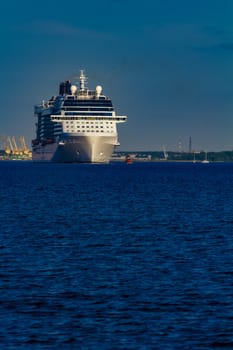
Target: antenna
(190, 145)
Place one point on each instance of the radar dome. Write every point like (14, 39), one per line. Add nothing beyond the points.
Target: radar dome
(98, 90)
(73, 89)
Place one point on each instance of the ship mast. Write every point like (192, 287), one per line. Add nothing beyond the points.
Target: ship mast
(83, 80)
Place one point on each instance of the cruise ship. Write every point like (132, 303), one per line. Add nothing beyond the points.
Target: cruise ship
(77, 126)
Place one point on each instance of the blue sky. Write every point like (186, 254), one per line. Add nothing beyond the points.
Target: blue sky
(168, 66)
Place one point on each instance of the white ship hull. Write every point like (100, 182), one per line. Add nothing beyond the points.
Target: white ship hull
(77, 149)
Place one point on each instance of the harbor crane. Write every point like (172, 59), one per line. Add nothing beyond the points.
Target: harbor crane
(11, 147)
(24, 148)
(5, 146)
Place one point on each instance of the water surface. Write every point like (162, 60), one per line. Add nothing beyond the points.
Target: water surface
(116, 256)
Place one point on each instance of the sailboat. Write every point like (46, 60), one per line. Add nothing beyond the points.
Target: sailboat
(206, 159)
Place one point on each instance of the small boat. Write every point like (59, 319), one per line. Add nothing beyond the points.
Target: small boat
(128, 160)
(206, 159)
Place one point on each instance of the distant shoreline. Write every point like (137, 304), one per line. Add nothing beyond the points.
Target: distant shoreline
(171, 156)
(154, 156)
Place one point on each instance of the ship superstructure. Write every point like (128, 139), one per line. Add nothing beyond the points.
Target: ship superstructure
(78, 125)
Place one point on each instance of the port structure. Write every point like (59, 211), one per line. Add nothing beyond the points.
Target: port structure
(14, 150)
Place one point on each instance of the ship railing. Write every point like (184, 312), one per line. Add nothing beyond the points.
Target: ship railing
(59, 118)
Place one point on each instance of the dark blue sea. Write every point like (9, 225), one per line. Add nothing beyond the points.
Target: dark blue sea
(116, 256)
